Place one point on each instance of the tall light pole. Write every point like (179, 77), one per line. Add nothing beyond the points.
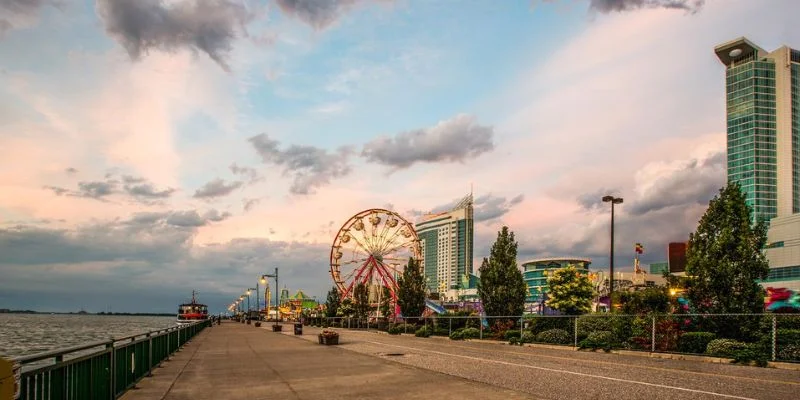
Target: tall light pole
(613, 200)
(249, 291)
(277, 304)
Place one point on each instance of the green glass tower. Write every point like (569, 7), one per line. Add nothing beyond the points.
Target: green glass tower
(447, 246)
(763, 125)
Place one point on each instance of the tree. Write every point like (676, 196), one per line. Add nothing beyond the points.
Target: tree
(361, 300)
(333, 303)
(724, 258)
(346, 308)
(570, 291)
(385, 306)
(411, 291)
(501, 288)
(646, 301)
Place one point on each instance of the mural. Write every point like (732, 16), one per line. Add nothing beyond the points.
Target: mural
(782, 300)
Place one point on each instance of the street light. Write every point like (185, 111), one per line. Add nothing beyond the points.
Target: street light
(277, 305)
(613, 200)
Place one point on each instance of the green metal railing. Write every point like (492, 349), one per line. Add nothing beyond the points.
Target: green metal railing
(100, 370)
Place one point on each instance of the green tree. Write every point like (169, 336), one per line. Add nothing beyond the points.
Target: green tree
(501, 288)
(411, 291)
(724, 258)
(646, 301)
(361, 300)
(333, 303)
(385, 306)
(346, 308)
(570, 291)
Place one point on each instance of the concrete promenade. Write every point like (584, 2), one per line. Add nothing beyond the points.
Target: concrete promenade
(237, 361)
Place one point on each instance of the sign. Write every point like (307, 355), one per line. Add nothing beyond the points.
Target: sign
(10, 378)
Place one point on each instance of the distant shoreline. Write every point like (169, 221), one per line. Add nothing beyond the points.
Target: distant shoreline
(6, 311)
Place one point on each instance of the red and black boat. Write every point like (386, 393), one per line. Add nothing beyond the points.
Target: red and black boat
(192, 312)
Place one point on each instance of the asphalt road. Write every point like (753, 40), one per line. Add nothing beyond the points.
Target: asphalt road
(567, 374)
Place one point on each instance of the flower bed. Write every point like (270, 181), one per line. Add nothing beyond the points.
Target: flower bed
(329, 337)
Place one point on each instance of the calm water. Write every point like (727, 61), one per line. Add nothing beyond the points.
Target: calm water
(23, 334)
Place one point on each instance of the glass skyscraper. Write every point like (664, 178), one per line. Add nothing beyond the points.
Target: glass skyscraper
(763, 125)
(447, 247)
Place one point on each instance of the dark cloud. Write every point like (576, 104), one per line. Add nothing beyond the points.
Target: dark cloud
(248, 173)
(148, 191)
(309, 166)
(609, 6)
(97, 189)
(14, 13)
(71, 171)
(695, 182)
(249, 204)
(319, 14)
(454, 140)
(119, 264)
(489, 207)
(209, 26)
(138, 188)
(594, 200)
(216, 188)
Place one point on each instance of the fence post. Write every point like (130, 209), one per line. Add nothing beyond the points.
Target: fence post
(450, 328)
(480, 322)
(575, 333)
(653, 336)
(113, 369)
(774, 335)
(521, 330)
(149, 355)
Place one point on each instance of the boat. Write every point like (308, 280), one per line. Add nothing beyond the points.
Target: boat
(193, 311)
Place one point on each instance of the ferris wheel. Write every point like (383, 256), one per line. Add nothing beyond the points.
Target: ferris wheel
(372, 248)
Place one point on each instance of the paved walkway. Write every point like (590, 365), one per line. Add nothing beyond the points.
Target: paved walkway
(237, 361)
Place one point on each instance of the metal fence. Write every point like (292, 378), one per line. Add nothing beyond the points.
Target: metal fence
(101, 370)
(773, 337)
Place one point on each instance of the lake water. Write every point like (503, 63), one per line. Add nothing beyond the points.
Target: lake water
(24, 334)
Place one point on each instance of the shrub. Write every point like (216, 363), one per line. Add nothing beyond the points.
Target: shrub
(471, 333)
(599, 340)
(423, 332)
(397, 329)
(508, 335)
(751, 353)
(514, 341)
(789, 352)
(724, 347)
(787, 321)
(440, 331)
(591, 323)
(541, 324)
(788, 336)
(695, 342)
(527, 337)
(457, 334)
(555, 336)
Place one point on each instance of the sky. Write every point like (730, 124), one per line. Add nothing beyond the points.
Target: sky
(149, 148)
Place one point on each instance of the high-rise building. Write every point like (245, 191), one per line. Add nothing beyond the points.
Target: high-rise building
(447, 247)
(763, 120)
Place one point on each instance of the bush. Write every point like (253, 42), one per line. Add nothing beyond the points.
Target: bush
(527, 337)
(726, 348)
(508, 335)
(695, 342)
(751, 353)
(599, 340)
(440, 331)
(789, 352)
(423, 332)
(465, 333)
(397, 329)
(541, 324)
(514, 341)
(787, 321)
(788, 336)
(555, 336)
(592, 323)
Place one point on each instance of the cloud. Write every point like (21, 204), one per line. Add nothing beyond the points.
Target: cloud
(210, 26)
(21, 13)
(216, 188)
(138, 188)
(249, 173)
(454, 140)
(309, 166)
(594, 200)
(693, 181)
(489, 207)
(609, 6)
(192, 219)
(318, 14)
(71, 171)
(249, 204)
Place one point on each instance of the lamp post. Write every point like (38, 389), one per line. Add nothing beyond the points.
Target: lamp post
(277, 305)
(249, 312)
(613, 200)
